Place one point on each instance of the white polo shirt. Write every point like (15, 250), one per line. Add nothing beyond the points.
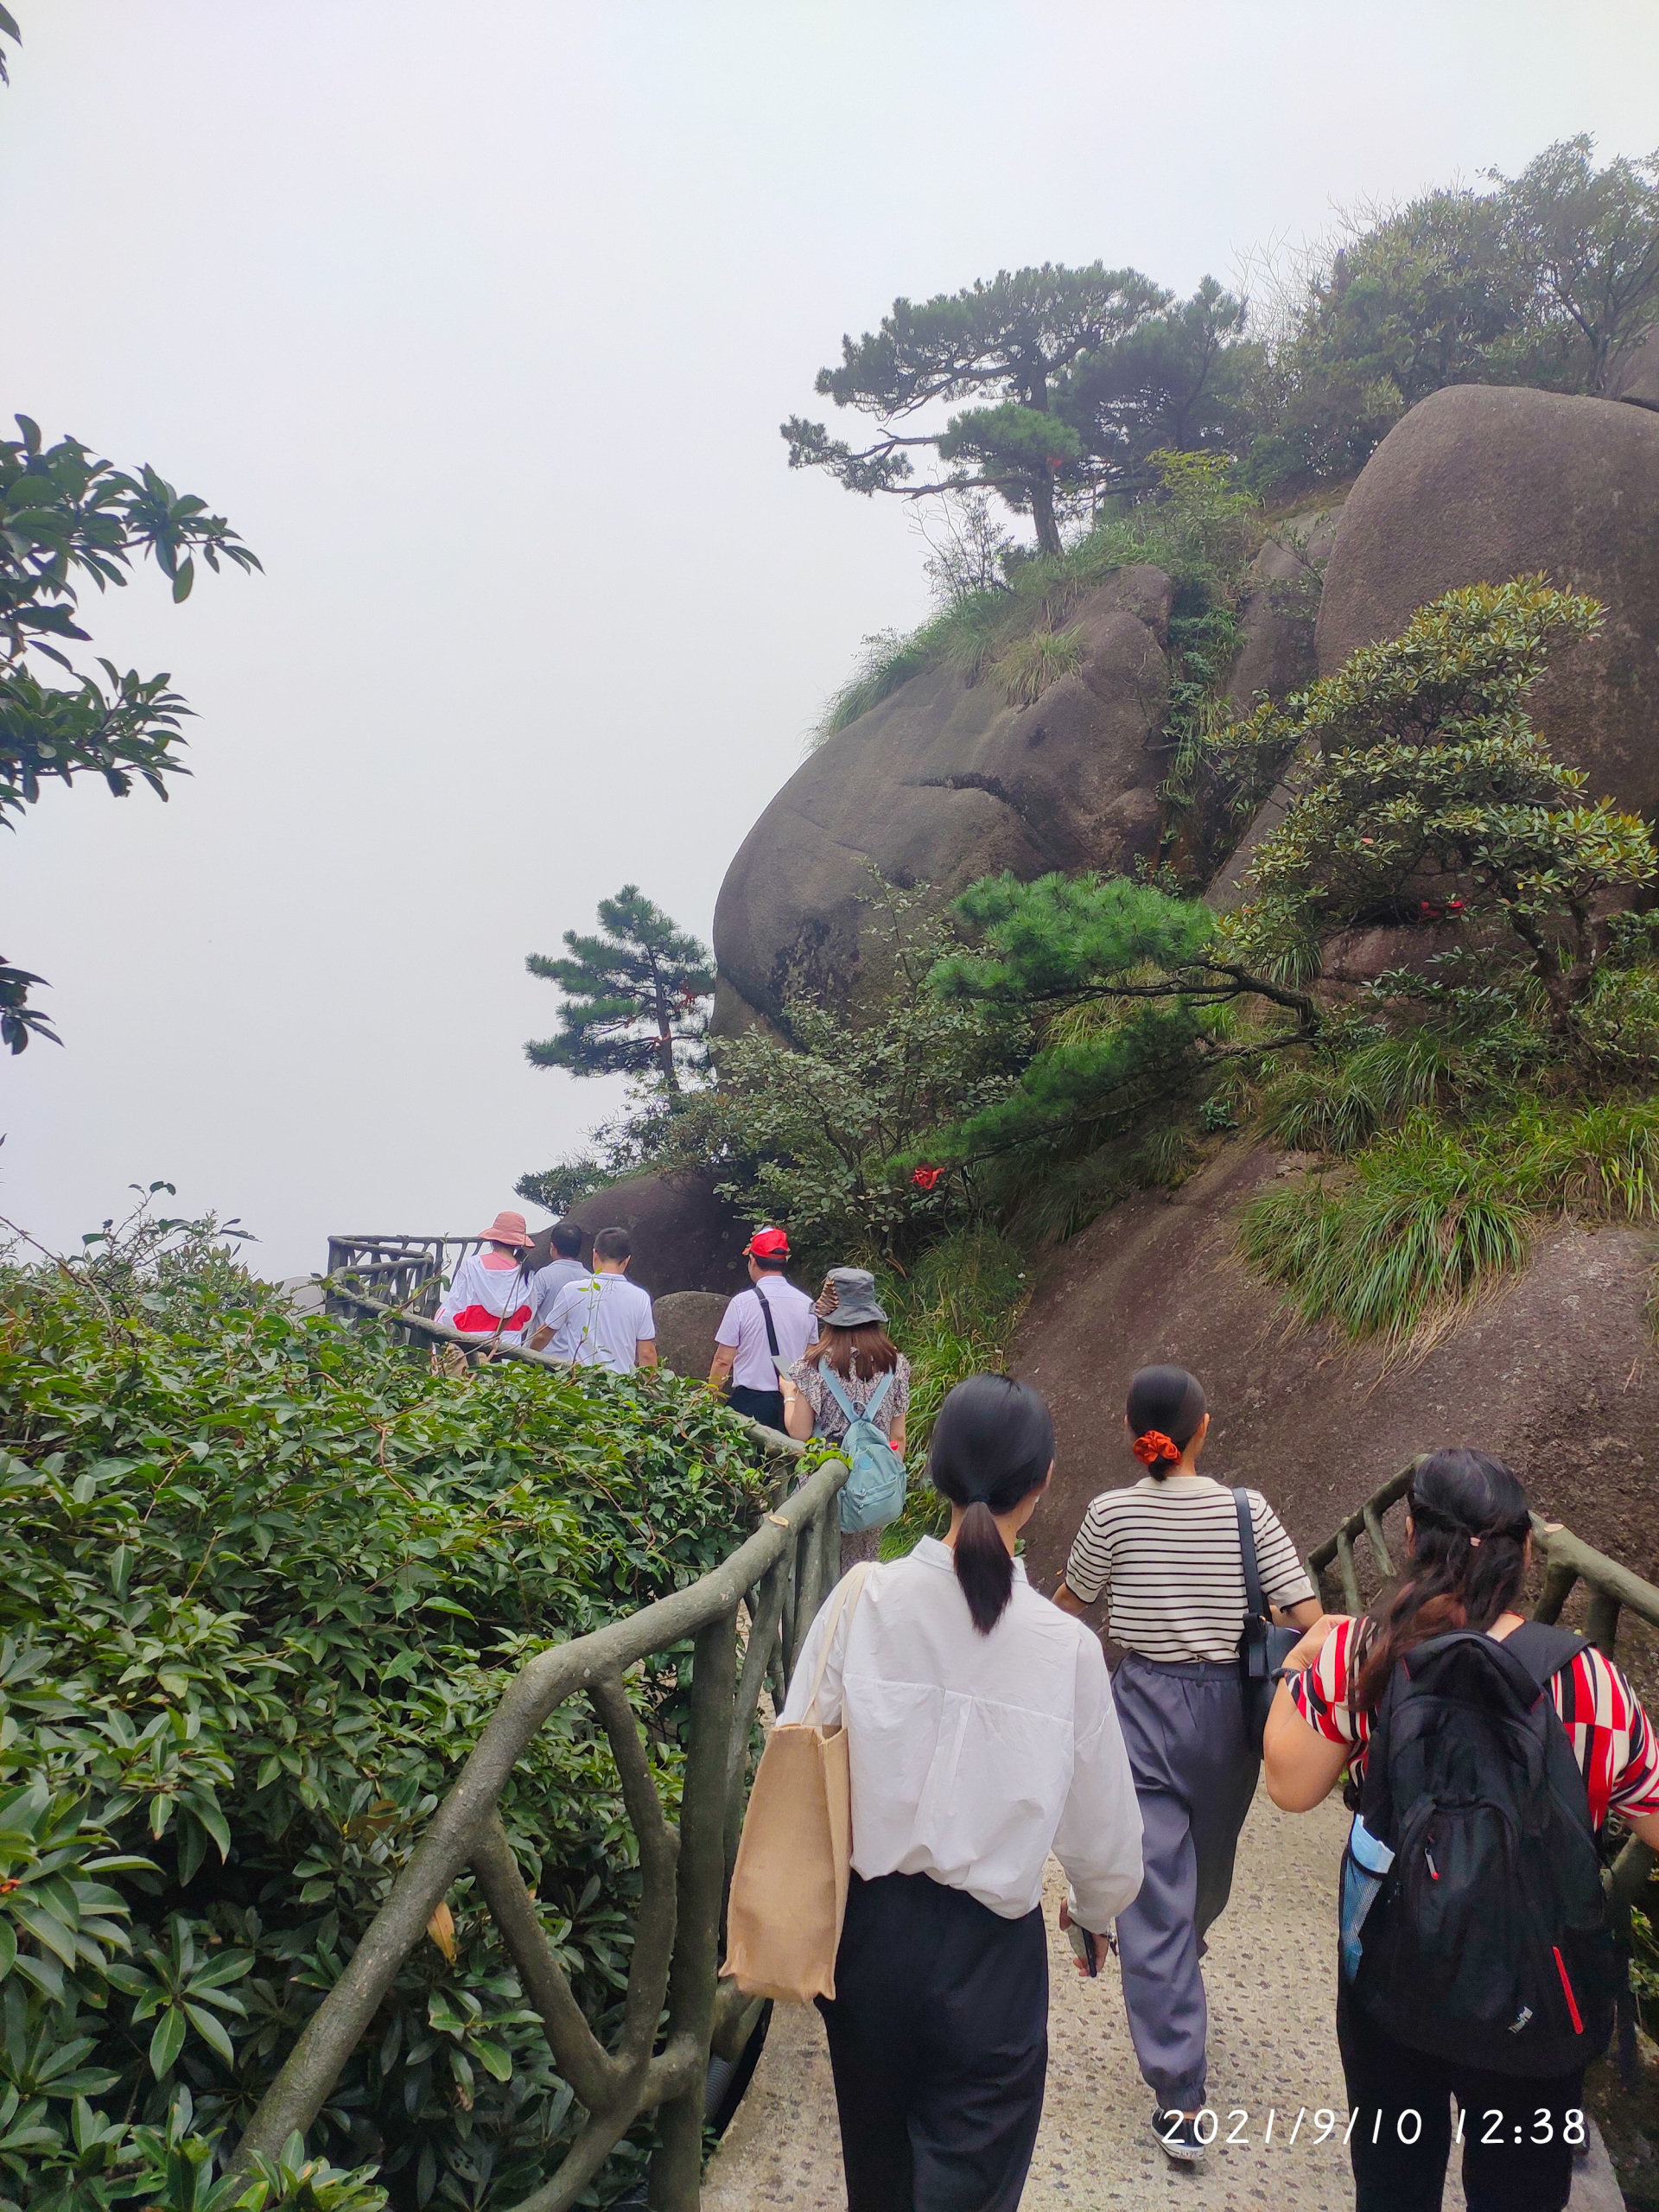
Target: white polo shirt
(598, 1321)
(743, 1328)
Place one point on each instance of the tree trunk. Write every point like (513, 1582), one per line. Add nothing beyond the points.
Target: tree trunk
(1042, 513)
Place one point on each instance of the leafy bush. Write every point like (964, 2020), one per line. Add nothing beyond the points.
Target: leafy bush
(954, 1315)
(817, 1134)
(262, 1582)
(1437, 795)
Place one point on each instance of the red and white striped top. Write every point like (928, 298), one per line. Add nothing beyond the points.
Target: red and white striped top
(1610, 1734)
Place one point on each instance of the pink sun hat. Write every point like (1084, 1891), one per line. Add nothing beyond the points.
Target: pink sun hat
(506, 1228)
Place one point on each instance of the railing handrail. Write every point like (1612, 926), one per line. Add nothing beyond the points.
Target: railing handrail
(691, 1863)
(770, 1439)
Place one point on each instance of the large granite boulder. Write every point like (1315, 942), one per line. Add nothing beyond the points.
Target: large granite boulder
(1278, 607)
(942, 783)
(1635, 372)
(684, 1235)
(1476, 484)
(686, 1321)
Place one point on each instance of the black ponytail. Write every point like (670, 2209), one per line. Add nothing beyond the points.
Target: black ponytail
(993, 1445)
(1166, 1407)
(1470, 1523)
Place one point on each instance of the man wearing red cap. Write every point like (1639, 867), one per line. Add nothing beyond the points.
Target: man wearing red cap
(763, 1333)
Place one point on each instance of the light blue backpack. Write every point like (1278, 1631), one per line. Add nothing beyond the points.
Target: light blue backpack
(873, 1493)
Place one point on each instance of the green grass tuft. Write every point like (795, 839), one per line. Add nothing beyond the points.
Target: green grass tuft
(1027, 668)
(1428, 1216)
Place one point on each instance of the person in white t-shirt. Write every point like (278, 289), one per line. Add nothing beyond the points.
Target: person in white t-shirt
(747, 1353)
(604, 1320)
(563, 1265)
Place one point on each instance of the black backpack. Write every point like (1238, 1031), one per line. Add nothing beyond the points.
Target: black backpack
(1489, 1941)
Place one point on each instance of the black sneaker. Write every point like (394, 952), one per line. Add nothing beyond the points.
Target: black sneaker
(1176, 2136)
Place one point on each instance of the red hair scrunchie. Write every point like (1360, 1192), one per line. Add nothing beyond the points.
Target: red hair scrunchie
(1154, 1444)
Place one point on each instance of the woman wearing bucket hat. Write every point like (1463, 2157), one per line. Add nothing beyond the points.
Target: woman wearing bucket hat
(489, 1294)
(855, 1360)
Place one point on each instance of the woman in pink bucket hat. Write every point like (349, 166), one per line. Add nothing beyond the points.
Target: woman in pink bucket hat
(489, 1294)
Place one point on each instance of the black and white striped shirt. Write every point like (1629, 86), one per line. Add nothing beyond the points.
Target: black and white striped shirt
(1168, 1554)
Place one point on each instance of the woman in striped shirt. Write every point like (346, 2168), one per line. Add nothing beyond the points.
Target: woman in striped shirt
(1468, 1534)
(1167, 1549)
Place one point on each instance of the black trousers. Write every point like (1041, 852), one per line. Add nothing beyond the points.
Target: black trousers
(765, 1406)
(1388, 2083)
(938, 2039)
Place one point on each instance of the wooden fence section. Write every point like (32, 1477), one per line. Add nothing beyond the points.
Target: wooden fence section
(403, 1272)
(675, 2012)
(1566, 1560)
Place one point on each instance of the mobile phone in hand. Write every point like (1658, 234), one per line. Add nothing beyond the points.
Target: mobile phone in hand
(1083, 1944)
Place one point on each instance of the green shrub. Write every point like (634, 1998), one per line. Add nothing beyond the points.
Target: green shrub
(262, 1582)
(953, 1316)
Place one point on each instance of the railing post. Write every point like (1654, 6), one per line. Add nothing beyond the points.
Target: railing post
(1601, 1621)
(1345, 1569)
(676, 2164)
(1559, 1580)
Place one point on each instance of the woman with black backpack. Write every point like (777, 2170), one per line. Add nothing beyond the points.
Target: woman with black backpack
(1475, 1959)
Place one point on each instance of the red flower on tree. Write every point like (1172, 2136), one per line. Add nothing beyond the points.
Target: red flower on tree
(926, 1178)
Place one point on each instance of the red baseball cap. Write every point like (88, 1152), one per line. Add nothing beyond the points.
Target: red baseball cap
(767, 1244)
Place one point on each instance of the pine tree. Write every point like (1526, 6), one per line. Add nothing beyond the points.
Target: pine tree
(634, 996)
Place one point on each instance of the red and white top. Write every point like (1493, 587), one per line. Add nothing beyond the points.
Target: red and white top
(485, 1286)
(1612, 1737)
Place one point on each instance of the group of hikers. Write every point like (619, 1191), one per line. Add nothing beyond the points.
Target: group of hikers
(1483, 1756)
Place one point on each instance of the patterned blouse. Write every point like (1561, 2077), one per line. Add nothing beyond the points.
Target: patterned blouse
(1612, 1737)
(828, 1419)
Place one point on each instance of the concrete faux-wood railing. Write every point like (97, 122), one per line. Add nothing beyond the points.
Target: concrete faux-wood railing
(674, 2012)
(1567, 1560)
(405, 1273)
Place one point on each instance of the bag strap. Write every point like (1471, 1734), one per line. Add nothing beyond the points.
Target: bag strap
(872, 1408)
(848, 1590)
(1253, 1599)
(1543, 1649)
(772, 1333)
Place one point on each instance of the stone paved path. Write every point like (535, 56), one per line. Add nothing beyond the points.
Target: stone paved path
(1270, 1975)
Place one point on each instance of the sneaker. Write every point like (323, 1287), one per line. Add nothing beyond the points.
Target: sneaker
(1177, 2137)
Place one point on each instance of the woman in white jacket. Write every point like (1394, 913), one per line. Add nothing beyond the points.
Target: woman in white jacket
(983, 1735)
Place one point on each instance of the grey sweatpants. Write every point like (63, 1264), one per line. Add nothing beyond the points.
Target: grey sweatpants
(1194, 1775)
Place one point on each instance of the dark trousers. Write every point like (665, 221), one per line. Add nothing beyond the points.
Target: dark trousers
(765, 1406)
(1389, 2083)
(938, 2039)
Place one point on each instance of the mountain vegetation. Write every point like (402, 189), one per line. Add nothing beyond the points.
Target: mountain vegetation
(1065, 382)
(262, 1581)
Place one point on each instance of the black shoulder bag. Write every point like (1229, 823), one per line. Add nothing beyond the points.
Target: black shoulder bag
(1262, 1649)
(772, 1333)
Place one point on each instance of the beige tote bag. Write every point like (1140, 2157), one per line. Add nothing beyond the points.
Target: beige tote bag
(789, 1890)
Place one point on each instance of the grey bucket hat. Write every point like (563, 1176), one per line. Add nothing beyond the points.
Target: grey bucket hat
(856, 1300)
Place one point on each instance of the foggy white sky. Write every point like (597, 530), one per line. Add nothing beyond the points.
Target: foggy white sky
(478, 323)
